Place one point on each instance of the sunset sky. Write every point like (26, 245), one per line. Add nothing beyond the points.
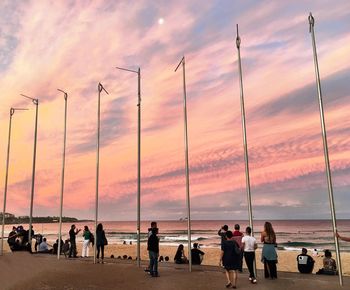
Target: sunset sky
(73, 45)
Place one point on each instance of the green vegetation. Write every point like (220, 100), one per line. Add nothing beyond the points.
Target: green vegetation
(12, 219)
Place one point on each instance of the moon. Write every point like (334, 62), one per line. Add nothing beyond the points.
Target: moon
(160, 21)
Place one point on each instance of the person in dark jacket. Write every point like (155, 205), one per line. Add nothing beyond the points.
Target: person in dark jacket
(153, 251)
(73, 246)
(101, 241)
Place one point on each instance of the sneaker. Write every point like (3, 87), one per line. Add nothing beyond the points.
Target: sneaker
(250, 278)
(254, 281)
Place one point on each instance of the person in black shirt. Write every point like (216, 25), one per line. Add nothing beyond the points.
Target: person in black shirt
(153, 251)
(197, 255)
(73, 246)
(11, 240)
(305, 262)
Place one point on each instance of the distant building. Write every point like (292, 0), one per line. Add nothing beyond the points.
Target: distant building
(7, 215)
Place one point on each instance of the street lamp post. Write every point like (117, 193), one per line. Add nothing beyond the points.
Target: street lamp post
(62, 177)
(36, 103)
(325, 146)
(182, 61)
(12, 111)
(100, 88)
(138, 232)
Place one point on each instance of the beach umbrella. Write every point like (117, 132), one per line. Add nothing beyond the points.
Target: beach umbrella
(244, 133)
(138, 72)
(182, 61)
(62, 176)
(325, 146)
(100, 88)
(36, 103)
(12, 111)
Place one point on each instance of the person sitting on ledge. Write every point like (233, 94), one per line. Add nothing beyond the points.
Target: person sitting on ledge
(44, 247)
(197, 255)
(329, 264)
(305, 262)
(180, 257)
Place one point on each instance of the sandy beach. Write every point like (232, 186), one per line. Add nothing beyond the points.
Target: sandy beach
(286, 259)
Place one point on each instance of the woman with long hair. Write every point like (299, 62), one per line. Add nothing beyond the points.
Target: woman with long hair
(180, 257)
(269, 254)
(101, 241)
(86, 242)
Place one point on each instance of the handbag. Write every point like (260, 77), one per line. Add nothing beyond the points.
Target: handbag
(105, 242)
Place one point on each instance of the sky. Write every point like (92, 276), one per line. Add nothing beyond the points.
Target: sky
(74, 45)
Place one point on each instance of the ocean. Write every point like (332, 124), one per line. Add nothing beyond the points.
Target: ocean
(292, 235)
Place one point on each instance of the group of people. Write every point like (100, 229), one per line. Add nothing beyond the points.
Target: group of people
(18, 239)
(101, 242)
(180, 257)
(234, 246)
(306, 263)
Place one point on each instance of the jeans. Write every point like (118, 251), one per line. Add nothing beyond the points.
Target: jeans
(249, 260)
(153, 257)
(73, 249)
(102, 247)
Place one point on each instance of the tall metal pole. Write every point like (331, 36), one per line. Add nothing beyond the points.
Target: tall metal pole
(36, 103)
(138, 232)
(62, 176)
(186, 166)
(100, 88)
(12, 111)
(139, 168)
(244, 133)
(325, 147)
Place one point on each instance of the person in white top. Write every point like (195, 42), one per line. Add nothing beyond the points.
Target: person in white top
(249, 245)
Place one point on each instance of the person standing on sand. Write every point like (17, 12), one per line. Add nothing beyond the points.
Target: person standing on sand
(86, 242)
(249, 245)
(101, 241)
(73, 246)
(230, 259)
(153, 251)
(269, 254)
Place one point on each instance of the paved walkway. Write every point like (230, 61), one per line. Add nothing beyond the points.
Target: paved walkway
(24, 271)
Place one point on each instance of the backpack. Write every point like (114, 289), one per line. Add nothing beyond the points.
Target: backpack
(92, 239)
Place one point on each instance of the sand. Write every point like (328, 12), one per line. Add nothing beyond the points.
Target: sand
(286, 259)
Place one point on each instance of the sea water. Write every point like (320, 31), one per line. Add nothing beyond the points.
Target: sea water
(292, 235)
